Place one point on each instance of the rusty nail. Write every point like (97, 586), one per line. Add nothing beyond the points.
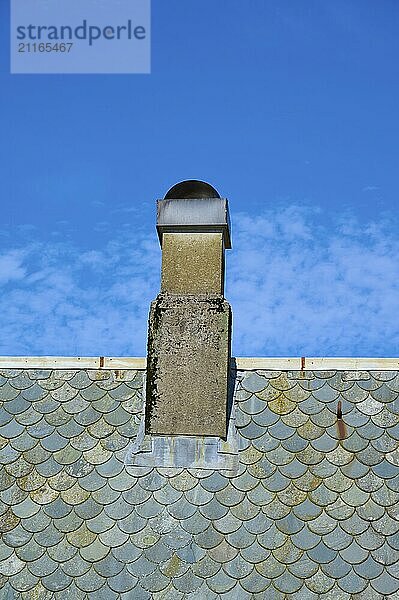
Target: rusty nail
(302, 363)
(101, 362)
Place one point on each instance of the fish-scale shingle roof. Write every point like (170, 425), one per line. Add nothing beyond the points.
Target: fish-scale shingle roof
(306, 514)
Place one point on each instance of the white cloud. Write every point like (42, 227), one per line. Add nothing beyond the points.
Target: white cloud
(296, 287)
(11, 268)
(90, 303)
(299, 288)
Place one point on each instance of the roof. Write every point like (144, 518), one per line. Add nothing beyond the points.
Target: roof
(92, 508)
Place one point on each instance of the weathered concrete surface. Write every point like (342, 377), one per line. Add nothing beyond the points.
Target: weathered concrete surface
(187, 365)
(192, 263)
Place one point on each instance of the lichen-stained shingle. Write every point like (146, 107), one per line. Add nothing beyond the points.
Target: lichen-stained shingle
(312, 511)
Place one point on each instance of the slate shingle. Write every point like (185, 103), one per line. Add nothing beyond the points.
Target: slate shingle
(308, 515)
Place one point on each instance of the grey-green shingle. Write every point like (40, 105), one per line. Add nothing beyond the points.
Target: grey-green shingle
(306, 514)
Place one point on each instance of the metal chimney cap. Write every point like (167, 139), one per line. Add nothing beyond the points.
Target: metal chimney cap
(191, 188)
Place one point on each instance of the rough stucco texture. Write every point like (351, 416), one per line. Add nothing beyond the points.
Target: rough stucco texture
(306, 516)
(188, 365)
(192, 263)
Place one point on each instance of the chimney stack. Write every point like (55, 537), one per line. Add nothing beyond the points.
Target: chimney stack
(189, 335)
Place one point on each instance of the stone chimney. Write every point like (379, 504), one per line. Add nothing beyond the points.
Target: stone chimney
(189, 334)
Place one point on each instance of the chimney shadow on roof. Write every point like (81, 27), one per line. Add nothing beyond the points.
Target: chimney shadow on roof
(232, 376)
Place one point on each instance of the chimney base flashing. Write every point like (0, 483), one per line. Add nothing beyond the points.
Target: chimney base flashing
(185, 452)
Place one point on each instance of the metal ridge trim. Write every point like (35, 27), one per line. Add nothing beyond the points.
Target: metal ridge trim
(318, 364)
(71, 362)
(241, 363)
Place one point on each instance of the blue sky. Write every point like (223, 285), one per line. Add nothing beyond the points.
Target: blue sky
(288, 108)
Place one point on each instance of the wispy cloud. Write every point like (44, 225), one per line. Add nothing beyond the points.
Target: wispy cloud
(11, 266)
(300, 288)
(60, 300)
(296, 286)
